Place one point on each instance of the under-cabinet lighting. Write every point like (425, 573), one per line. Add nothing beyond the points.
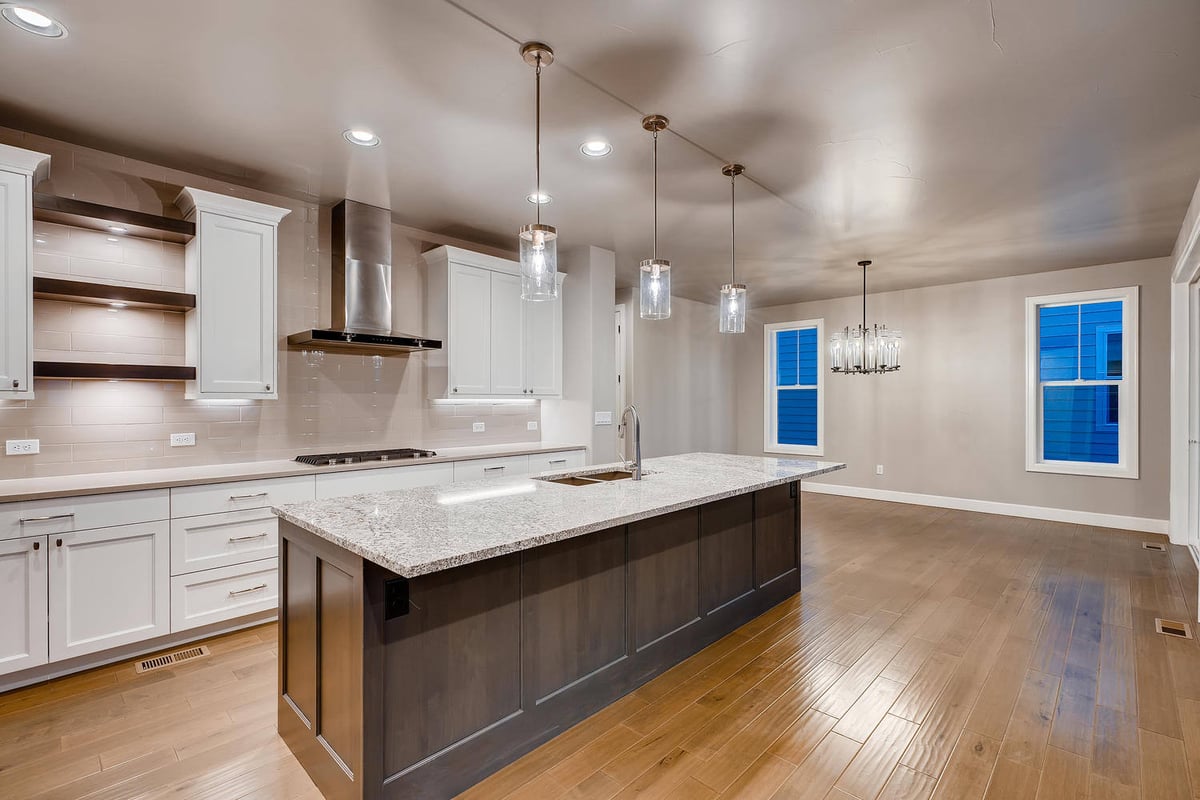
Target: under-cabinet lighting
(118, 305)
(479, 401)
(33, 21)
(117, 229)
(475, 495)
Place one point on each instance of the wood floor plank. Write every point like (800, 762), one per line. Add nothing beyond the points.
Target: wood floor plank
(1115, 754)
(1117, 686)
(761, 780)
(969, 768)
(876, 760)
(926, 686)
(1164, 768)
(1013, 781)
(862, 717)
(908, 784)
(1028, 731)
(1064, 776)
(820, 771)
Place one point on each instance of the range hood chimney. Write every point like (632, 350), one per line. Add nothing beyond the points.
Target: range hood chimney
(361, 316)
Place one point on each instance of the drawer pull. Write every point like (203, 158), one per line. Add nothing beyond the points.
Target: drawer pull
(492, 469)
(46, 519)
(258, 588)
(247, 496)
(558, 461)
(235, 539)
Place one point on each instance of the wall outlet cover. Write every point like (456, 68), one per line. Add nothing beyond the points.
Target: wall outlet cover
(478, 427)
(22, 447)
(604, 418)
(879, 469)
(531, 426)
(183, 440)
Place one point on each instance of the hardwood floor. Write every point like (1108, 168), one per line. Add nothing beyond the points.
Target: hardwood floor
(932, 654)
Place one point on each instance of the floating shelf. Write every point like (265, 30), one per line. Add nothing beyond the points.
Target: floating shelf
(82, 214)
(107, 294)
(73, 370)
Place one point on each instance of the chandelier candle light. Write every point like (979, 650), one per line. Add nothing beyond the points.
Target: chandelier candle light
(655, 271)
(733, 294)
(865, 351)
(539, 246)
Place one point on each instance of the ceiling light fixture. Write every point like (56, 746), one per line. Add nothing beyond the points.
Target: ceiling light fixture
(538, 242)
(361, 137)
(33, 21)
(595, 148)
(733, 294)
(655, 271)
(865, 351)
(541, 198)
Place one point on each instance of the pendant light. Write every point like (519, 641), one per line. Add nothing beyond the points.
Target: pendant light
(733, 294)
(539, 246)
(655, 271)
(865, 351)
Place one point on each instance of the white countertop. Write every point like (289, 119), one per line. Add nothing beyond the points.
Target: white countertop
(107, 482)
(418, 531)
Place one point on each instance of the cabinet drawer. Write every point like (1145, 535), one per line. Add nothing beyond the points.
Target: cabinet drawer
(213, 498)
(42, 517)
(10, 521)
(222, 540)
(216, 595)
(363, 481)
(550, 462)
(507, 467)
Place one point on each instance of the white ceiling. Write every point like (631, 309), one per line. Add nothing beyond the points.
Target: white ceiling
(947, 139)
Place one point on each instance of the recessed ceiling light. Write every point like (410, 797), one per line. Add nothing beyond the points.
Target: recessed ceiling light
(117, 229)
(541, 199)
(32, 21)
(595, 148)
(361, 137)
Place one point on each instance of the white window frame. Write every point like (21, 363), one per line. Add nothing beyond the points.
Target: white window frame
(770, 423)
(1128, 441)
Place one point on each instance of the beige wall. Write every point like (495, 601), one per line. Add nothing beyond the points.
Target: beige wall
(87, 426)
(952, 421)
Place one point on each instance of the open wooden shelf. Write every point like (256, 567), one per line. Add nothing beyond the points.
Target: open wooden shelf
(82, 214)
(107, 294)
(73, 370)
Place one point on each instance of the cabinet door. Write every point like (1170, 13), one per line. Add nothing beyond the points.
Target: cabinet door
(470, 328)
(23, 628)
(16, 285)
(108, 587)
(236, 307)
(507, 354)
(543, 347)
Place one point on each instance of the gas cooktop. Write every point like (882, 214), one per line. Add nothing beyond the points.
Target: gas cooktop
(364, 456)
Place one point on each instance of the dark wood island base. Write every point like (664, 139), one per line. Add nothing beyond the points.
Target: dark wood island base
(394, 688)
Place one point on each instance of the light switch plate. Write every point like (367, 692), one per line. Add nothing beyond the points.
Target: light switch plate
(879, 469)
(604, 418)
(531, 426)
(22, 447)
(478, 427)
(183, 440)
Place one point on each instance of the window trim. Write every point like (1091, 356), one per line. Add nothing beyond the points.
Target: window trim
(770, 423)
(1128, 442)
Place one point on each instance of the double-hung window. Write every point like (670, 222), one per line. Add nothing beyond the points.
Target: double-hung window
(794, 412)
(1082, 390)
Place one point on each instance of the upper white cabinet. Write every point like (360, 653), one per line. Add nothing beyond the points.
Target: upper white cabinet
(232, 335)
(494, 344)
(19, 171)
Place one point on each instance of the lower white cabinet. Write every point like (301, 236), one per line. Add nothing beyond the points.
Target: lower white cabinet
(23, 633)
(108, 587)
(222, 540)
(216, 595)
(363, 481)
(504, 467)
(554, 462)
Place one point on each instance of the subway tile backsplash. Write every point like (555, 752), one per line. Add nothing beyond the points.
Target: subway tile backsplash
(344, 402)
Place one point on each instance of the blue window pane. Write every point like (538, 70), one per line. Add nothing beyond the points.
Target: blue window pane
(787, 348)
(807, 357)
(796, 411)
(1100, 330)
(1058, 343)
(1079, 424)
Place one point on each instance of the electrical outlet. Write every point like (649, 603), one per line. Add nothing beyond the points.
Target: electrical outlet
(604, 418)
(22, 447)
(879, 469)
(478, 427)
(531, 426)
(183, 440)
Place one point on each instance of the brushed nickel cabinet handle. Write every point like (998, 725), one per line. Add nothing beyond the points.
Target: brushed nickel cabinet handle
(247, 496)
(492, 469)
(558, 461)
(258, 588)
(233, 539)
(24, 520)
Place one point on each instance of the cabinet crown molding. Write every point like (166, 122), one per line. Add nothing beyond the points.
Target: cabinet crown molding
(29, 162)
(191, 201)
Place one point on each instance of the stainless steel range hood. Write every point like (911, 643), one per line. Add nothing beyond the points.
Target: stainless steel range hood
(361, 316)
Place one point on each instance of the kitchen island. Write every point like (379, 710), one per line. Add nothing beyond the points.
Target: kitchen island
(431, 636)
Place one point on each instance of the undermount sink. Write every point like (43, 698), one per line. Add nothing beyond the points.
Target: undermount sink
(572, 481)
(593, 479)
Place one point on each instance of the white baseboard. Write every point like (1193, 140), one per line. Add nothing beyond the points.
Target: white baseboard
(1142, 524)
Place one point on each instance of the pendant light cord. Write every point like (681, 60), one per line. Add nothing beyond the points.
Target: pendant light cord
(654, 246)
(537, 161)
(864, 322)
(733, 224)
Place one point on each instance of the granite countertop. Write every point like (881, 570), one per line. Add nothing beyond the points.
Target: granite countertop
(418, 531)
(17, 489)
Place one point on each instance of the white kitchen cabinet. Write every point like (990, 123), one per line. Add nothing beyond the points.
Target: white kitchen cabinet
(108, 587)
(231, 263)
(223, 540)
(494, 344)
(388, 479)
(23, 632)
(225, 593)
(19, 171)
(557, 462)
(502, 467)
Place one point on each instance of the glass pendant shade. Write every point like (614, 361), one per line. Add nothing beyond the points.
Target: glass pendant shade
(733, 308)
(865, 350)
(539, 262)
(656, 288)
